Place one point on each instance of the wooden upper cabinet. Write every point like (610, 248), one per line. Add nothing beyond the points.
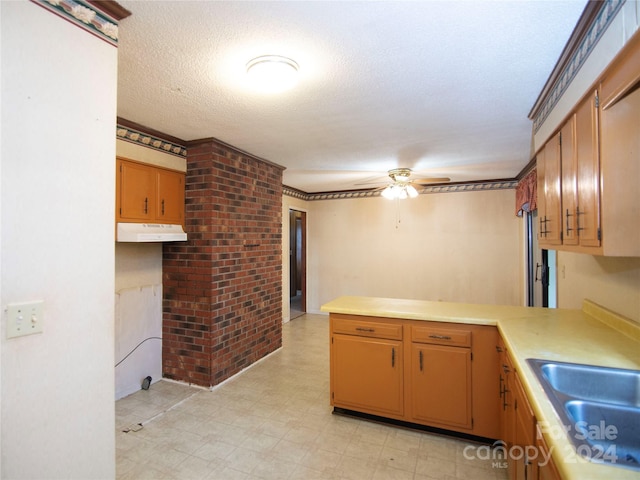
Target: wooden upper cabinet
(170, 196)
(580, 166)
(148, 194)
(598, 167)
(620, 153)
(549, 215)
(569, 188)
(587, 208)
(136, 184)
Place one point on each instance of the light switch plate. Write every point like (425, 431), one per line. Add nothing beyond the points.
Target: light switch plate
(24, 318)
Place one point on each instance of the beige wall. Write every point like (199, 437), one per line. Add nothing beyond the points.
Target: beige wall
(462, 247)
(613, 282)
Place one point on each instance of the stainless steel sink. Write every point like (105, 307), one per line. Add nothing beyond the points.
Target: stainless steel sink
(599, 407)
(601, 384)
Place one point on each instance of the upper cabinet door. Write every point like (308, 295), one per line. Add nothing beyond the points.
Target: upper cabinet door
(568, 167)
(549, 188)
(587, 214)
(170, 196)
(136, 192)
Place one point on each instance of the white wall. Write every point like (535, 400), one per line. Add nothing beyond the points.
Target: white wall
(56, 192)
(462, 247)
(138, 315)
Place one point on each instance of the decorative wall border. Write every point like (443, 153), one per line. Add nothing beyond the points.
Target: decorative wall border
(598, 26)
(88, 16)
(449, 188)
(144, 139)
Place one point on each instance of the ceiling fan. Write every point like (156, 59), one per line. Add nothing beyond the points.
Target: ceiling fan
(402, 186)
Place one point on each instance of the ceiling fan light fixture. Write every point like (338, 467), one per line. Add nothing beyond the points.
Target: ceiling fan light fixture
(389, 192)
(399, 191)
(401, 187)
(272, 73)
(411, 191)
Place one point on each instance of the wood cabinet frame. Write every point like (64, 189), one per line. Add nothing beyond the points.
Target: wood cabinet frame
(598, 163)
(476, 341)
(148, 194)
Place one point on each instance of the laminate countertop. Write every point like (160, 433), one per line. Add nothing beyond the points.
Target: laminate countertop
(593, 335)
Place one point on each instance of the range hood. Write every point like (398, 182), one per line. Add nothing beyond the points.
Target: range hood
(150, 232)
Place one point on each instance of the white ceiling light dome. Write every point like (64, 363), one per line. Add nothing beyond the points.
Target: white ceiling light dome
(272, 73)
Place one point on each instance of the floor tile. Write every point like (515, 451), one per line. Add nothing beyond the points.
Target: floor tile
(274, 421)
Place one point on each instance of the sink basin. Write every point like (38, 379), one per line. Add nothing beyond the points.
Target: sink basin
(601, 384)
(599, 407)
(607, 429)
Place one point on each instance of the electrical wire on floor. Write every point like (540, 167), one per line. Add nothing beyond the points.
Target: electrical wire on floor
(136, 347)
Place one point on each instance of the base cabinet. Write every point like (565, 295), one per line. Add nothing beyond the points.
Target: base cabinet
(441, 385)
(527, 452)
(370, 375)
(546, 469)
(428, 373)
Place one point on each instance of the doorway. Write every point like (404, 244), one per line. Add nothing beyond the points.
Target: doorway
(541, 269)
(297, 263)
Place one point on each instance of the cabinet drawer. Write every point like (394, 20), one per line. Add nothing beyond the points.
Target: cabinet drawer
(441, 336)
(367, 329)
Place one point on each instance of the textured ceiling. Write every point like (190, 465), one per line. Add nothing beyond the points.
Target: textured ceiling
(443, 88)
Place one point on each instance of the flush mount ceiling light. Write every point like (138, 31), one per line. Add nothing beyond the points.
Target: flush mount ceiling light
(272, 73)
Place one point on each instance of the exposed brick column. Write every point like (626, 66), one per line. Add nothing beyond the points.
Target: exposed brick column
(222, 307)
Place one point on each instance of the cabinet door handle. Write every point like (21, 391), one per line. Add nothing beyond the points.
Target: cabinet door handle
(440, 337)
(421, 361)
(393, 357)
(368, 330)
(504, 399)
(567, 217)
(146, 205)
(163, 206)
(501, 385)
(499, 349)
(578, 213)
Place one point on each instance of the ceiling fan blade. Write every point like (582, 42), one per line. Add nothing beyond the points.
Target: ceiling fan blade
(374, 181)
(427, 181)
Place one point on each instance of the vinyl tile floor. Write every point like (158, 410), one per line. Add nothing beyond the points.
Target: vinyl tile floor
(274, 421)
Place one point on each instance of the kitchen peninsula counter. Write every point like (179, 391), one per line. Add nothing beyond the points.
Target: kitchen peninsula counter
(592, 335)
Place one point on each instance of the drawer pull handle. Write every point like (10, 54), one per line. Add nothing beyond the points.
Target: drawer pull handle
(368, 330)
(440, 337)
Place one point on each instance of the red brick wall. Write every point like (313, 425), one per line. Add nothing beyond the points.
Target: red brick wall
(222, 306)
